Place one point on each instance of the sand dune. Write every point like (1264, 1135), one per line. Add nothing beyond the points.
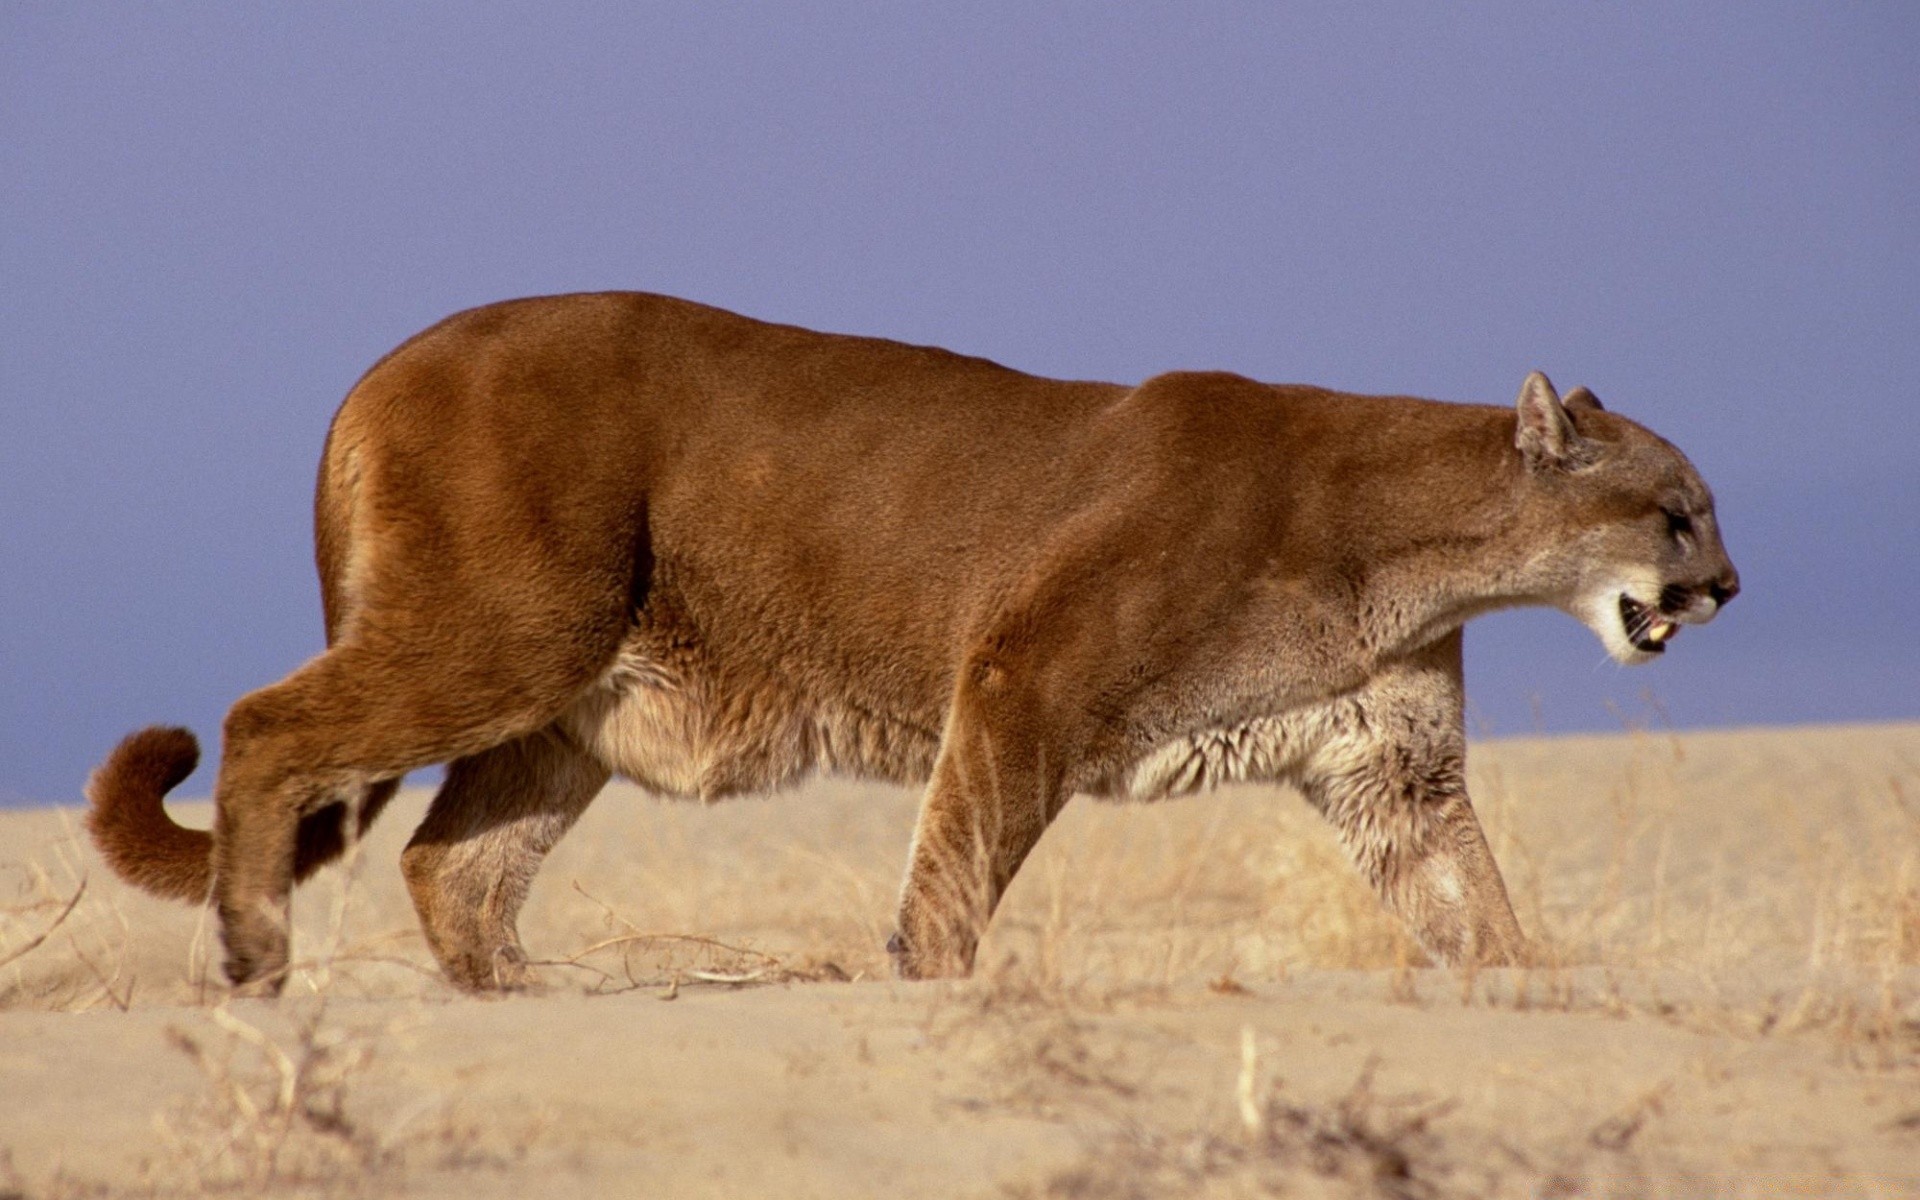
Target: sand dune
(1192, 998)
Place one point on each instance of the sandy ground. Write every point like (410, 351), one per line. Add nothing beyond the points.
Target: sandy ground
(1192, 998)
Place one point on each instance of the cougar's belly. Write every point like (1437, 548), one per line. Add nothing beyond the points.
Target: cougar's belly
(679, 725)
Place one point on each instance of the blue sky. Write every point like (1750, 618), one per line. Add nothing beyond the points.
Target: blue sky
(213, 218)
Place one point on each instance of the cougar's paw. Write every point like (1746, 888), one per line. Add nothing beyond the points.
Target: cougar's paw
(911, 963)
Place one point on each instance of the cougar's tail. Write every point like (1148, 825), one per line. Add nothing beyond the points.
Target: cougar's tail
(130, 825)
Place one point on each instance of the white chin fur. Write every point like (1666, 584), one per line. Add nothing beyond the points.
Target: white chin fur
(1632, 656)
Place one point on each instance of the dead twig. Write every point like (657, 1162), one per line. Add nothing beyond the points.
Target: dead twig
(724, 977)
(695, 939)
(121, 1002)
(1617, 1132)
(33, 944)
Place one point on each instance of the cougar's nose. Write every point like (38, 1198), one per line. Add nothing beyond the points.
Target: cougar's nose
(1725, 588)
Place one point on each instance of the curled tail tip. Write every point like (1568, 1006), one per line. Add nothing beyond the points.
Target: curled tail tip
(128, 818)
(152, 761)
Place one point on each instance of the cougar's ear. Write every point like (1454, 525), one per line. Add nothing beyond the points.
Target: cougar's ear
(1580, 398)
(1546, 436)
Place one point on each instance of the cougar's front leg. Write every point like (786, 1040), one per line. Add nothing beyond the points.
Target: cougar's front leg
(1424, 853)
(991, 797)
(1391, 777)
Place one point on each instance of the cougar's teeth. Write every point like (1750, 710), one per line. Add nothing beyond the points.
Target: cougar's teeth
(1661, 631)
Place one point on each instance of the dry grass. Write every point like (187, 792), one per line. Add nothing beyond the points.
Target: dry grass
(1649, 864)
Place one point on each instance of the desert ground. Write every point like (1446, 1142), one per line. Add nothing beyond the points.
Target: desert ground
(1194, 998)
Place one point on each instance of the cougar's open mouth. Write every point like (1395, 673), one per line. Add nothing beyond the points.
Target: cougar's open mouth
(1647, 627)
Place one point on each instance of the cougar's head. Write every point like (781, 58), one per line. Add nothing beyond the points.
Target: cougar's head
(1631, 544)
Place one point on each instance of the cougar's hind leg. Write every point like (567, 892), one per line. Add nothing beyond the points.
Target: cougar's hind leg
(483, 544)
(472, 860)
(336, 729)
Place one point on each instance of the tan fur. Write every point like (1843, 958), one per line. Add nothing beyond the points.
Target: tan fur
(564, 537)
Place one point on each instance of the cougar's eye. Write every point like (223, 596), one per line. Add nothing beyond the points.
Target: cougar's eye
(1679, 525)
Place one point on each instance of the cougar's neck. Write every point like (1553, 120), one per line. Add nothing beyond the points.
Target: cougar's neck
(1444, 540)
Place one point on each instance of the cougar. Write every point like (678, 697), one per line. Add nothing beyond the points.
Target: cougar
(564, 537)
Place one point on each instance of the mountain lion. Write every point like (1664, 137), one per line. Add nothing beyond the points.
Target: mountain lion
(564, 537)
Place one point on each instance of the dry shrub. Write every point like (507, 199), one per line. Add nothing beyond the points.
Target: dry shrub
(280, 1113)
(283, 1114)
(273, 1115)
(61, 948)
(1362, 1144)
